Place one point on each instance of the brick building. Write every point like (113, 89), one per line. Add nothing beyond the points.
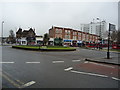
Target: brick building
(71, 36)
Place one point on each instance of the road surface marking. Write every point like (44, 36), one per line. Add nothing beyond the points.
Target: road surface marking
(19, 81)
(58, 61)
(102, 65)
(92, 74)
(11, 81)
(15, 79)
(76, 60)
(67, 69)
(116, 78)
(28, 84)
(86, 62)
(7, 62)
(32, 62)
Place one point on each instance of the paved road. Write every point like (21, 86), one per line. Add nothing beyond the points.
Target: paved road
(35, 69)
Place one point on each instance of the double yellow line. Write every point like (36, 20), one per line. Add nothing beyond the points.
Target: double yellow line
(15, 82)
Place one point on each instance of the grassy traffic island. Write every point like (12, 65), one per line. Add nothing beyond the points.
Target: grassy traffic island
(44, 48)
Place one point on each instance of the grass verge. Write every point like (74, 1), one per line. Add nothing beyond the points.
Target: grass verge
(44, 47)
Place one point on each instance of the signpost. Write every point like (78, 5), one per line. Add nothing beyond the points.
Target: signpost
(111, 28)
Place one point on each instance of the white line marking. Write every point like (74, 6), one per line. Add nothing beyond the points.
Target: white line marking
(58, 61)
(7, 62)
(116, 78)
(102, 65)
(32, 62)
(76, 60)
(92, 74)
(86, 62)
(67, 69)
(28, 84)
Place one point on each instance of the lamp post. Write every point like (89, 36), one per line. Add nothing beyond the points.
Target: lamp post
(108, 53)
(2, 33)
(100, 38)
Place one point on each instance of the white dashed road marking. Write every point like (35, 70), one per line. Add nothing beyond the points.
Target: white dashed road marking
(28, 84)
(32, 62)
(92, 74)
(67, 69)
(58, 61)
(6, 62)
(86, 62)
(76, 60)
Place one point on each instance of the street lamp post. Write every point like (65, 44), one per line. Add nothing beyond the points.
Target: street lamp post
(2, 34)
(108, 53)
(100, 38)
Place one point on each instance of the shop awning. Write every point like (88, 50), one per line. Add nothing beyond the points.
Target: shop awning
(67, 40)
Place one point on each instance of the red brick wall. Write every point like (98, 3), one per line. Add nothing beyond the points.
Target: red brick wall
(83, 36)
(51, 33)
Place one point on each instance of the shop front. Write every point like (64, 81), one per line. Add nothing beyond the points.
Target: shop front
(74, 43)
(79, 43)
(67, 42)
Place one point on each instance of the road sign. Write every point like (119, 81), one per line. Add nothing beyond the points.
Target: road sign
(112, 27)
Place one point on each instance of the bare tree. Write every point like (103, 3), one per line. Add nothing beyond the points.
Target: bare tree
(118, 36)
(114, 36)
(12, 33)
(12, 37)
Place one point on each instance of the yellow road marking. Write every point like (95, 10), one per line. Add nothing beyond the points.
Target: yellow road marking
(11, 81)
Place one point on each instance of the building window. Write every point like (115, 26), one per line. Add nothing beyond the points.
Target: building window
(23, 42)
(67, 36)
(74, 37)
(79, 38)
(58, 30)
(83, 36)
(74, 33)
(67, 31)
(58, 35)
(79, 34)
(87, 37)
(81, 28)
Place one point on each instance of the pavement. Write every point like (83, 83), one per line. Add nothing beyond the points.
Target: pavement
(112, 60)
(103, 49)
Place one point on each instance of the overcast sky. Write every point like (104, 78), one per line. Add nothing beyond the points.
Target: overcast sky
(42, 15)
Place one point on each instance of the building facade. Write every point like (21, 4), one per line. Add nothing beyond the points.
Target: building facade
(97, 28)
(71, 36)
(26, 36)
(85, 27)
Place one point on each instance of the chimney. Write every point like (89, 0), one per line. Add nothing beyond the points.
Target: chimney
(34, 29)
